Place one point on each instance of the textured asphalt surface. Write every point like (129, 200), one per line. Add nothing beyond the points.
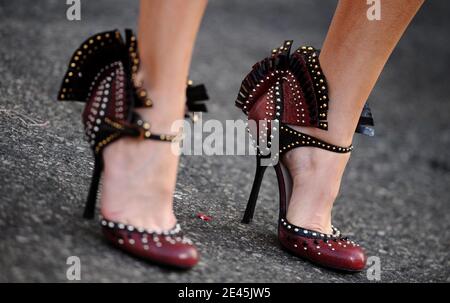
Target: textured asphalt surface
(394, 199)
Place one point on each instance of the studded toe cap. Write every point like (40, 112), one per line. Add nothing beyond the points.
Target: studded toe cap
(169, 248)
(348, 256)
(182, 255)
(332, 251)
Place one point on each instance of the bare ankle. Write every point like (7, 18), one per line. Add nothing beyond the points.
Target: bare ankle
(168, 103)
(308, 161)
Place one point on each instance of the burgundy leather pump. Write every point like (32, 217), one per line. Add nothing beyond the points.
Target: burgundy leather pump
(102, 74)
(290, 89)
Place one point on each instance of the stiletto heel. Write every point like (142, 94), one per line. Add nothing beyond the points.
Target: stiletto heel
(102, 74)
(290, 89)
(259, 174)
(89, 209)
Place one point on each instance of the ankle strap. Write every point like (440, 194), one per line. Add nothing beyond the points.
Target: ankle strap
(290, 139)
(147, 134)
(112, 130)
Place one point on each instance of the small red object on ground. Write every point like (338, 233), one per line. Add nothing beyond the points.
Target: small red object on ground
(204, 217)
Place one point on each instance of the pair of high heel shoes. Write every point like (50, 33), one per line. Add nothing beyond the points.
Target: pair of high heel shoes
(281, 90)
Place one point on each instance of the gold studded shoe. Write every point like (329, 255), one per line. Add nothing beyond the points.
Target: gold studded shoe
(102, 74)
(290, 89)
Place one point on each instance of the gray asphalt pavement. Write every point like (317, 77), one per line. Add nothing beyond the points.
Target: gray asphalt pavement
(394, 199)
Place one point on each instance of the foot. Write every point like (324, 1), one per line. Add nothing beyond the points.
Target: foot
(139, 176)
(316, 176)
(138, 183)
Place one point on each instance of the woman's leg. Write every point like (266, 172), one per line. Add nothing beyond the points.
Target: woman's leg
(139, 176)
(353, 56)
